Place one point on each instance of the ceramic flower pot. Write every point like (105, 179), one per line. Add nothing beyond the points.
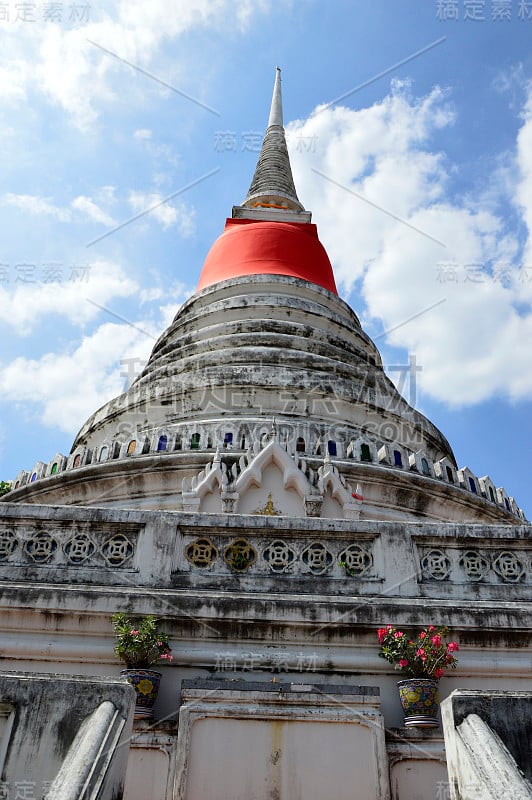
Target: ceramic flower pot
(420, 701)
(146, 684)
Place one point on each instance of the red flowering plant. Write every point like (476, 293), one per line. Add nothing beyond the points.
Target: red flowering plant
(140, 643)
(426, 655)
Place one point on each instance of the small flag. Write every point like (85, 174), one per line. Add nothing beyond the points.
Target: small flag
(358, 494)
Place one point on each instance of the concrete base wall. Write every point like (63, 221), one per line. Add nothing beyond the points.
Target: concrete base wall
(292, 614)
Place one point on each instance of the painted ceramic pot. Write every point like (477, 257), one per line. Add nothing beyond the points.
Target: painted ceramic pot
(420, 701)
(146, 684)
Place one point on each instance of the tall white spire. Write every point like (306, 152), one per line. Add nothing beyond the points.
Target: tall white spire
(276, 110)
(273, 185)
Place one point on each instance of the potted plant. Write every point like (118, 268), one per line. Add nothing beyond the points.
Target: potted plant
(422, 658)
(140, 644)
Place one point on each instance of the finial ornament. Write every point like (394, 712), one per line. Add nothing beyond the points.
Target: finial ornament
(269, 509)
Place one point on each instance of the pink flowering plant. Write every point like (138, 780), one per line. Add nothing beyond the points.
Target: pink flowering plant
(426, 655)
(140, 643)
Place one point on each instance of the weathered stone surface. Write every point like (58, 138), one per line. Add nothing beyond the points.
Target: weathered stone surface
(239, 354)
(95, 546)
(64, 737)
(488, 737)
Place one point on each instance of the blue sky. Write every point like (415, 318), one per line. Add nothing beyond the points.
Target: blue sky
(108, 109)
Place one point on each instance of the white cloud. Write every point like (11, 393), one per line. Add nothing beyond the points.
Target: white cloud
(177, 292)
(475, 344)
(142, 134)
(33, 204)
(62, 65)
(76, 296)
(106, 195)
(13, 80)
(180, 215)
(151, 294)
(376, 152)
(472, 345)
(88, 207)
(65, 388)
(524, 188)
